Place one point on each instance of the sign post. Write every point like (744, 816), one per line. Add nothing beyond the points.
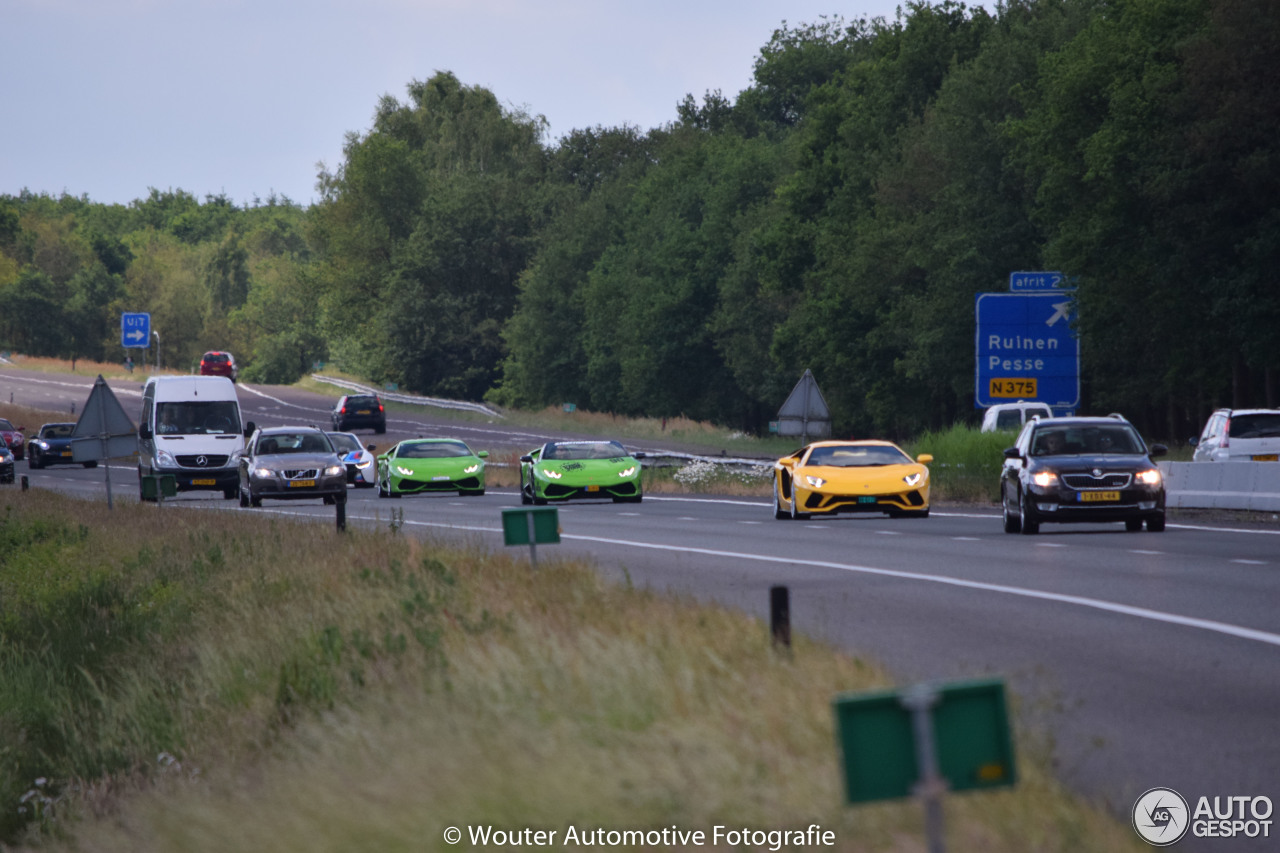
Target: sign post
(925, 740)
(1025, 349)
(805, 411)
(103, 432)
(529, 526)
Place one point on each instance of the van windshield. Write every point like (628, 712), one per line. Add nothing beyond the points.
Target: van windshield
(214, 417)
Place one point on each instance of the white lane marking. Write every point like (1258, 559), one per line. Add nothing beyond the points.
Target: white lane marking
(966, 538)
(1050, 545)
(1141, 551)
(1224, 628)
(751, 522)
(1244, 562)
(888, 532)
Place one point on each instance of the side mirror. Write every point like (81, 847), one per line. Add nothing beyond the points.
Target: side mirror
(1193, 442)
(483, 454)
(1012, 453)
(144, 433)
(924, 458)
(640, 455)
(250, 428)
(527, 458)
(371, 448)
(1157, 450)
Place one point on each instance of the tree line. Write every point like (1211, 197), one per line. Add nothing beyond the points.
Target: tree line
(840, 215)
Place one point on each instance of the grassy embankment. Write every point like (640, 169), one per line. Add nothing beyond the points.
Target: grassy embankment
(173, 679)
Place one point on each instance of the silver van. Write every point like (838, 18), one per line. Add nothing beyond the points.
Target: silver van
(190, 428)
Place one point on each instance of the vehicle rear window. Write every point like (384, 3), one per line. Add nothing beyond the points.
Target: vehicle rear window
(362, 402)
(5, 425)
(216, 358)
(1008, 419)
(1258, 425)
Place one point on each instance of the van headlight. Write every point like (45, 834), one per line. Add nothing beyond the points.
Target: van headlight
(165, 458)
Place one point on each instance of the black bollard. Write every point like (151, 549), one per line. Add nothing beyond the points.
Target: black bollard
(780, 616)
(25, 483)
(342, 514)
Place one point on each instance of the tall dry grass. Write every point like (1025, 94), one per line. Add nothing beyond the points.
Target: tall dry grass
(283, 687)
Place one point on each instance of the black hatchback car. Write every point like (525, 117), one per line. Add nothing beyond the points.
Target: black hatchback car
(1081, 469)
(359, 411)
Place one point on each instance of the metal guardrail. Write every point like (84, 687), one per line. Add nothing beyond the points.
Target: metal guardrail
(414, 399)
(1222, 485)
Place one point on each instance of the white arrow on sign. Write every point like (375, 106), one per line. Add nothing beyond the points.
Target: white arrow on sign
(1061, 309)
(135, 334)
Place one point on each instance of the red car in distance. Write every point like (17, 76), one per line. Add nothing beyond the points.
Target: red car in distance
(217, 363)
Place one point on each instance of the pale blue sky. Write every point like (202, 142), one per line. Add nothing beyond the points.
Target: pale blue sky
(244, 97)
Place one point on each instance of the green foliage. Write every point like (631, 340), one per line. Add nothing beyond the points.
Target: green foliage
(840, 215)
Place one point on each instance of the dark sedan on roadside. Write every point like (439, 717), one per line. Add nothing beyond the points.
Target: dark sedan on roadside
(291, 463)
(52, 446)
(7, 465)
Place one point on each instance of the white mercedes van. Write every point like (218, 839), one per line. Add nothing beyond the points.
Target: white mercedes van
(190, 428)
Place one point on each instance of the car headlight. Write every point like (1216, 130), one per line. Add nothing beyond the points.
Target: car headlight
(550, 475)
(165, 458)
(815, 482)
(404, 472)
(334, 470)
(43, 445)
(1150, 477)
(263, 473)
(627, 472)
(471, 469)
(914, 478)
(1044, 479)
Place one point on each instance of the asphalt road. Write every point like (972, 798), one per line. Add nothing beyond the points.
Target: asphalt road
(1147, 660)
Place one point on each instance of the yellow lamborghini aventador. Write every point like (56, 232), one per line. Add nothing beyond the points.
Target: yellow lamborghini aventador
(851, 476)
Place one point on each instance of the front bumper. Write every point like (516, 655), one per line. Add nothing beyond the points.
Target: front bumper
(320, 486)
(411, 486)
(1059, 503)
(910, 500)
(202, 479)
(553, 491)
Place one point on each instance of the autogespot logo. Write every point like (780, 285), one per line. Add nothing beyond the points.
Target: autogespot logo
(1160, 817)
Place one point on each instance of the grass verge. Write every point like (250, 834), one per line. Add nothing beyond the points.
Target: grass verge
(195, 681)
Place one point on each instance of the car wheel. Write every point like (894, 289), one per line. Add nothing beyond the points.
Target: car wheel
(1028, 525)
(525, 496)
(90, 464)
(244, 498)
(1133, 525)
(1012, 523)
(329, 500)
(33, 462)
(778, 511)
(796, 514)
(254, 500)
(1155, 524)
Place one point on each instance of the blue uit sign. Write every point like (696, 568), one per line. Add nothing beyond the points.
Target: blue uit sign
(1025, 349)
(135, 330)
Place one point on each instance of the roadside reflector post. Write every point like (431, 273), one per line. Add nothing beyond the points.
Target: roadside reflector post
(924, 741)
(780, 616)
(531, 526)
(25, 484)
(341, 514)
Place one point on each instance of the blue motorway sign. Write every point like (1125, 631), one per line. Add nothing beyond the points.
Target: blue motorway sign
(1028, 282)
(135, 330)
(1026, 349)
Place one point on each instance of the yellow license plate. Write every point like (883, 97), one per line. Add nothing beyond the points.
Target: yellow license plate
(1267, 457)
(68, 453)
(204, 482)
(1014, 388)
(1098, 497)
(593, 488)
(301, 484)
(363, 412)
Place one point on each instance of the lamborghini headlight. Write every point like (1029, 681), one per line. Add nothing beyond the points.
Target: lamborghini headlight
(404, 472)
(627, 472)
(471, 469)
(815, 482)
(914, 478)
(549, 474)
